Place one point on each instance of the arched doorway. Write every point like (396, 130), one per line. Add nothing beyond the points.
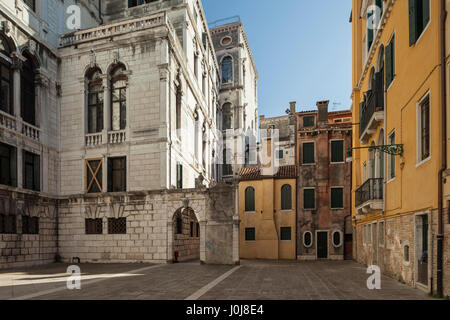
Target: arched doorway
(186, 235)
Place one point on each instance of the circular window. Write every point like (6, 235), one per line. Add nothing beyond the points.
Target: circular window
(307, 239)
(226, 41)
(337, 239)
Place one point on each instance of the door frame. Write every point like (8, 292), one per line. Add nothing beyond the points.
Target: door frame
(328, 244)
(417, 216)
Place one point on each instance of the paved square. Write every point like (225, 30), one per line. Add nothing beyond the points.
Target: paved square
(253, 280)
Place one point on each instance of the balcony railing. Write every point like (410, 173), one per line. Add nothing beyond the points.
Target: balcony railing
(8, 121)
(115, 137)
(105, 137)
(371, 190)
(31, 131)
(94, 139)
(373, 102)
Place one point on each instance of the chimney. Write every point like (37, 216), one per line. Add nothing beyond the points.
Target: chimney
(293, 107)
(322, 106)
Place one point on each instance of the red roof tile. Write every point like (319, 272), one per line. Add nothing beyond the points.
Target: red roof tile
(254, 173)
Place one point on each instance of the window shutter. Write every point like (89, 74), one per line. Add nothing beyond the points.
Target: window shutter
(412, 22)
(388, 60)
(425, 13)
(379, 90)
(37, 173)
(13, 166)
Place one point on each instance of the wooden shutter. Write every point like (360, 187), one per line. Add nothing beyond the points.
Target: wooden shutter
(308, 153)
(412, 22)
(37, 173)
(309, 199)
(425, 13)
(250, 199)
(286, 197)
(337, 151)
(388, 60)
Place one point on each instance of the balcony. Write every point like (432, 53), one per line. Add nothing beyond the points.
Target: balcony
(369, 197)
(371, 110)
(93, 140)
(15, 124)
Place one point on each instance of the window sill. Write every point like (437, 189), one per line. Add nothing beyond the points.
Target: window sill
(423, 162)
(337, 208)
(308, 164)
(422, 34)
(249, 211)
(391, 180)
(340, 162)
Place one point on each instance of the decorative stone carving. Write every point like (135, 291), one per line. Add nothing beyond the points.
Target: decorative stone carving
(92, 212)
(117, 210)
(5, 27)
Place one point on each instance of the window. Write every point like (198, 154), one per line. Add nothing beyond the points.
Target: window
(250, 199)
(118, 98)
(179, 176)
(27, 91)
(179, 223)
(134, 3)
(117, 225)
(94, 176)
(337, 239)
(406, 253)
(30, 225)
(31, 4)
(178, 106)
(8, 224)
(227, 166)
(391, 158)
(31, 171)
(364, 173)
(94, 226)
(226, 41)
(197, 230)
(6, 84)
(307, 239)
(227, 117)
(308, 121)
(309, 199)
(191, 229)
(370, 30)
(195, 64)
(308, 153)
(390, 62)
(424, 129)
(280, 154)
(337, 151)
(117, 174)
(419, 16)
(8, 165)
(250, 234)
(337, 198)
(285, 234)
(95, 101)
(227, 70)
(286, 197)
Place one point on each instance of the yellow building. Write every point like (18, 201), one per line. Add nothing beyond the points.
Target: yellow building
(397, 110)
(267, 213)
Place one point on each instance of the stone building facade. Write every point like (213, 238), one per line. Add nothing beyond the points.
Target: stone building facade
(324, 182)
(118, 139)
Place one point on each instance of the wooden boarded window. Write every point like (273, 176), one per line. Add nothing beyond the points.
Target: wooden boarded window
(308, 153)
(337, 198)
(30, 225)
(117, 174)
(250, 234)
(8, 224)
(285, 234)
(94, 176)
(117, 225)
(179, 224)
(286, 197)
(424, 109)
(197, 230)
(8, 165)
(94, 226)
(337, 151)
(309, 199)
(250, 199)
(31, 171)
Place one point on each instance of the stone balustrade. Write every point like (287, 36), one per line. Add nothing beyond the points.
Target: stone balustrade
(94, 139)
(8, 121)
(115, 137)
(31, 131)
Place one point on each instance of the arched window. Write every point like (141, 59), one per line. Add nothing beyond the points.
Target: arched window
(227, 70)
(27, 91)
(286, 197)
(227, 117)
(95, 100)
(250, 199)
(307, 239)
(118, 98)
(5, 77)
(372, 79)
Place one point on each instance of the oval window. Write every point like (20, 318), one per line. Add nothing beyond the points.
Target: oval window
(307, 239)
(226, 41)
(337, 239)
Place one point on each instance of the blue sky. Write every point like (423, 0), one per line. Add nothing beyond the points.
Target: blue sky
(302, 50)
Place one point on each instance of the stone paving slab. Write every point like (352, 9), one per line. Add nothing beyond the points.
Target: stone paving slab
(254, 280)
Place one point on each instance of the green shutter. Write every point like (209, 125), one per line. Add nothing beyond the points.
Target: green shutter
(393, 58)
(337, 198)
(388, 60)
(308, 153)
(370, 31)
(286, 197)
(412, 22)
(337, 151)
(425, 13)
(249, 199)
(309, 199)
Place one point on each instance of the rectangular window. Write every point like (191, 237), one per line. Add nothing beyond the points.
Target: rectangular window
(390, 62)
(285, 234)
(117, 176)
(31, 4)
(337, 151)
(30, 225)
(419, 16)
(308, 153)
(8, 165)
(117, 225)
(424, 129)
(31, 171)
(94, 176)
(308, 121)
(391, 158)
(179, 176)
(94, 226)
(337, 198)
(250, 234)
(309, 199)
(191, 230)
(280, 154)
(197, 230)
(8, 224)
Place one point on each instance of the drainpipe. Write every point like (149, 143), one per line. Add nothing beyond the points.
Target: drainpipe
(440, 235)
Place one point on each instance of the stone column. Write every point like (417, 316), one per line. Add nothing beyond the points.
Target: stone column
(16, 68)
(106, 107)
(202, 242)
